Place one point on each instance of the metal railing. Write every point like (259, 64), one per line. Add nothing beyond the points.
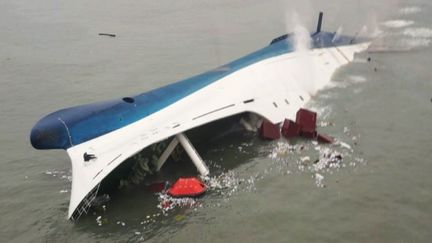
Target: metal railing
(85, 204)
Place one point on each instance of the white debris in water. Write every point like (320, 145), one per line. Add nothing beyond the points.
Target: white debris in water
(410, 10)
(343, 145)
(137, 233)
(328, 158)
(121, 223)
(168, 203)
(281, 149)
(319, 180)
(63, 191)
(399, 23)
(308, 156)
(284, 149)
(346, 130)
(226, 185)
(99, 220)
(60, 174)
(224, 180)
(325, 124)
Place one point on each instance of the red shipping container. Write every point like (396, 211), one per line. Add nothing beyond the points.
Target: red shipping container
(290, 129)
(307, 121)
(269, 130)
(307, 134)
(322, 138)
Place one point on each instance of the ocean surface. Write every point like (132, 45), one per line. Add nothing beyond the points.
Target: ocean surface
(379, 188)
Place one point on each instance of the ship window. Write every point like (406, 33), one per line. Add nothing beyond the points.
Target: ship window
(128, 99)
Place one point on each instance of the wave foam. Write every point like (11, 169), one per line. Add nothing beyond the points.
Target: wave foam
(410, 10)
(420, 32)
(357, 78)
(415, 43)
(399, 23)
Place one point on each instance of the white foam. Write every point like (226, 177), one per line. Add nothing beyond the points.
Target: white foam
(357, 79)
(410, 10)
(225, 184)
(420, 32)
(416, 43)
(336, 84)
(168, 203)
(399, 23)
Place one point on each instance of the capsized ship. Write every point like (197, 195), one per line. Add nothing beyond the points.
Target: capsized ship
(273, 83)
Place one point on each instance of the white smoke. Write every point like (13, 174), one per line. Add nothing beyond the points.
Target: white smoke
(302, 42)
(302, 39)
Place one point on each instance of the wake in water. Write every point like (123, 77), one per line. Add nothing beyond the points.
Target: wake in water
(402, 34)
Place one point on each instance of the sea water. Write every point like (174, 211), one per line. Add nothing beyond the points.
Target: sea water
(373, 185)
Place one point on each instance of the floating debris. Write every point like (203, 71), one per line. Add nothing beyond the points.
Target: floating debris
(344, 145)
(179, 217)
(300, 158)
(319, 180)
(325, 124)
(107, 34)
(66, 175)
(121, 223)
(327, 159)
(99, 220)
(168, 203)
